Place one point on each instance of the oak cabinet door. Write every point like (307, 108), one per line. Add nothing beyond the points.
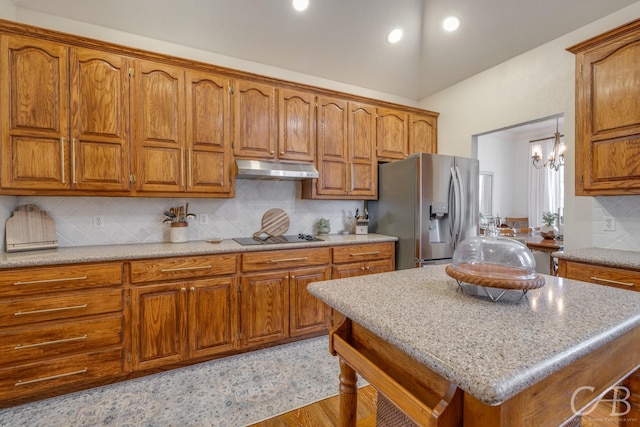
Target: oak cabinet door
(332, 159)
(307, 313)
(159, 325)
(99, 121)
(608, 113)
(296, 130)
(213, 316)
(159, 127)
(391, 134)
(208, 133)
(254, 120)
(34, 114)
(363, 165)
(265, 302)
(423, 134)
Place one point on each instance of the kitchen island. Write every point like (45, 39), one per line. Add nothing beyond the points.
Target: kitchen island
(446, 354)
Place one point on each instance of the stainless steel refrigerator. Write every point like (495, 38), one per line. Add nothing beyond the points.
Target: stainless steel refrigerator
(430, 202)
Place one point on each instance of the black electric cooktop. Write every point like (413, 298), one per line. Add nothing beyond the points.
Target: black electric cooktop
(272, 240)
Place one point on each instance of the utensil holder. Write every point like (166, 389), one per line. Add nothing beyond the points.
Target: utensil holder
(362, 226)
(179, 232)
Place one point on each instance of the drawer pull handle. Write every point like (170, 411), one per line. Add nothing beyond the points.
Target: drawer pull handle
(34, 282)
(168, 270)
(615, 282)
(39, 344)
(304, 258)
(366, 253)
(49, 310)
(52, 377)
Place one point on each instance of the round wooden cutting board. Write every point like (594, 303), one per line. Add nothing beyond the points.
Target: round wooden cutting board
(275, 222)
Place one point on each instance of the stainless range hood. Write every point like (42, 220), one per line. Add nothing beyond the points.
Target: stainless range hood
(258, 169)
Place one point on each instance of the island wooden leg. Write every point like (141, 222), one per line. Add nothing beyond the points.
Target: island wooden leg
(632, 418)
(348, 395)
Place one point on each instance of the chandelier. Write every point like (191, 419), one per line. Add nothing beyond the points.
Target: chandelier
(556, 157)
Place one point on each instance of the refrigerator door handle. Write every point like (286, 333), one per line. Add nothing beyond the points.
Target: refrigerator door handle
(459, 207)
(457, 202)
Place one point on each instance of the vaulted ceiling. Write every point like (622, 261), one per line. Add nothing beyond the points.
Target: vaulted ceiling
(344, 40)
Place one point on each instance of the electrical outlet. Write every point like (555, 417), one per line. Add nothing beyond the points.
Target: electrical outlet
(608, 223)
(204, 219)
(98, 221)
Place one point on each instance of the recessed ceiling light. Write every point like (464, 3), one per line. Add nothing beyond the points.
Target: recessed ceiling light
(451, 23)
(394, 35)
(300, 5)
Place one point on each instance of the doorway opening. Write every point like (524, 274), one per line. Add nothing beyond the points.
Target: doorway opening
(521, 189)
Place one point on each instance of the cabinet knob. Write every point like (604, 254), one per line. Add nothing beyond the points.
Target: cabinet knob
(192, 289)
(362, 268)
(183, 289)
(293, 277)
(272, 152)
(282, 153)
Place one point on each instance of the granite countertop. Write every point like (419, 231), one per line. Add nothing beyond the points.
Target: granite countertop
(608, 257)
(70, 255)
(491, 350)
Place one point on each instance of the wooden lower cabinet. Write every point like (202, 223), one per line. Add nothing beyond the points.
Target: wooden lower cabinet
(361, 259)
(276, 306)
(599, 274)
(177, 321)
(61, 329)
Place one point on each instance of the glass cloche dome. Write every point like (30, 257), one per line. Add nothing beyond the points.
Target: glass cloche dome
(498, 262)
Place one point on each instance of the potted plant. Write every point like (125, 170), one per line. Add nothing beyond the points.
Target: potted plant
(549, 230)
(324, 226)
(178, 219)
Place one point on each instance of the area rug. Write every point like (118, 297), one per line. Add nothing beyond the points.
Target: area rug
(230, 392)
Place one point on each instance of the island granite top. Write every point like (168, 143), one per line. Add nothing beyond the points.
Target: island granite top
(491, 350)
(76, 254)
(608, 257)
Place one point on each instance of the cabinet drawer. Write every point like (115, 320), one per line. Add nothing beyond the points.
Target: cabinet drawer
(29, 379)
(59, 339)
(625, 279)
(27, 281)
(182, 268)
(275, 260)
(54, 307)
(368, 251)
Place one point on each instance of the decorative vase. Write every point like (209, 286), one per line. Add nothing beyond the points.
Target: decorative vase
(324, 230)
(549, 231)
(179, 232)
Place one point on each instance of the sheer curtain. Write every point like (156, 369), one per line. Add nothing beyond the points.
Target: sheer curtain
(546, 187)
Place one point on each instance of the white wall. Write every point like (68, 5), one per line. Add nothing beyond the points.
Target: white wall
(508, 162)
(539, 83)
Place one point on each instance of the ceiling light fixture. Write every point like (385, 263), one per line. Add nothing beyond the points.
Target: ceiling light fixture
(556, 156)
(451, 23)
(394, 36)
(300, 5)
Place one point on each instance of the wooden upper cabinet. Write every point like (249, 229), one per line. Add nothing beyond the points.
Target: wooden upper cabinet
(159, 127)
(254, 120)
(608, 113)
(423, 133)
(392, 134)
(34, 113)
(296, 125)
(208, 133)
(346, 159)
(363, 166)
(99, 120)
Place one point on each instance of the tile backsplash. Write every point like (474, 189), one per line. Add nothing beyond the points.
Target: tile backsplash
(139, 220)
(625, 210)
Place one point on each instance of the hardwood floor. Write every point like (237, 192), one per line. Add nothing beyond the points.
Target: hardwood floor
(325, 414)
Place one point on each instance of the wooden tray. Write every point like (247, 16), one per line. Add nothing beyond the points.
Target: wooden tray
(494, 276)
